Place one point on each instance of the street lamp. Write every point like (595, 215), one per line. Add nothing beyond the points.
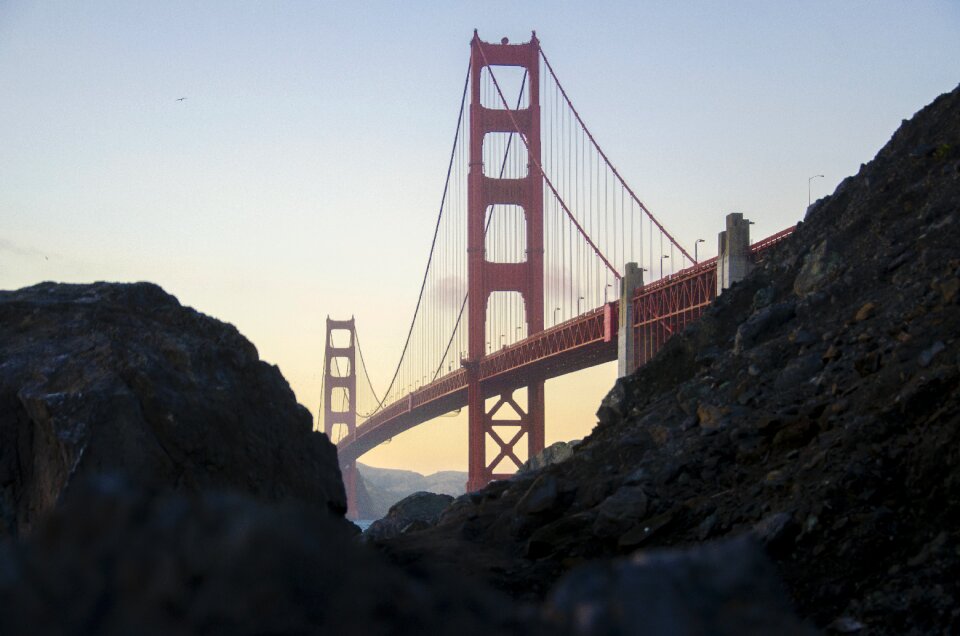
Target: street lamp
(501, 341)
(579, 300)
(663, 258)
(605, 292)
(695, 245)
(808, 187)
(555, 315)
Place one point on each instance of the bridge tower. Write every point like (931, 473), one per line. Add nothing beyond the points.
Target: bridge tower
(486, 277)
(340, 398)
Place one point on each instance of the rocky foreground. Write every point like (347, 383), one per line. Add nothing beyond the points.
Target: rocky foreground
(791, 462)
(815, 407)
(123, 379)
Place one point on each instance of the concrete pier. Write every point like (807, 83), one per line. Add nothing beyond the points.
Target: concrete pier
(733, 261)
(626, 337)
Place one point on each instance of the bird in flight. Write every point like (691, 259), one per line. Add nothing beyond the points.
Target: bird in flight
(180, 99)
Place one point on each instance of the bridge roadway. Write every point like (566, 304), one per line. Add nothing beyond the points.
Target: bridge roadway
(661, 309)
(585, 341)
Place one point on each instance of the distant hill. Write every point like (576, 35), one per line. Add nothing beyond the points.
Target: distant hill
(386, 486)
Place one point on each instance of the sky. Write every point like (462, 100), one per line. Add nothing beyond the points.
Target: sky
(301, 177)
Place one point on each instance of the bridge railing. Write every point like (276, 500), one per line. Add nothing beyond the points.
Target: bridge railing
(666, 306)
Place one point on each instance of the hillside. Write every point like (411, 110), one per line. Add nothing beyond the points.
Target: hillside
(386, 486)
(815, 406)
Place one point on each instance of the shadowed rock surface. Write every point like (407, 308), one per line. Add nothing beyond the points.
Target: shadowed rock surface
(724, 588)
(122, 378)
(815, 406)
(416, 512)
(116, 560)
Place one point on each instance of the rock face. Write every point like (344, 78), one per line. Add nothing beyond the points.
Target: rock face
(552, 454)
(724, 588)
(816, 406)
(115, 560)
(416, 512)
(121, 378)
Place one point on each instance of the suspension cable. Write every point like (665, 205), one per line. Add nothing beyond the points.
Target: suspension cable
(607, 160)
(503, 167)
(433, 244)
(366, 374)
(536, 162)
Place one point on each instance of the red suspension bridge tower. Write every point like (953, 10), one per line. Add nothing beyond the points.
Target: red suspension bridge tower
(343, 382)
(486, 277)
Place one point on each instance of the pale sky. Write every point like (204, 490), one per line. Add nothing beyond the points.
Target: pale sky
(301, 176)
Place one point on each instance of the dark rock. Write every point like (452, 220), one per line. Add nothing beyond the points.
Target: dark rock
(760, 323)
(553, 454)
(115, 560)
(927, 356)
(821, 266)
(122, 378)
(845, 625)
(620, 511)
(722, 588)
(541, 496)
(776, 531)
(419, 511)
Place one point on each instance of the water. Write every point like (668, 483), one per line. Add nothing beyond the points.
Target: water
(363, 524)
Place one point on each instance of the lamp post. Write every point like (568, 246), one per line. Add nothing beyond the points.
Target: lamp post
(579, 300)
(663, 258)
(605, 292)
(809, 181)
(555, 315)
(695, 246)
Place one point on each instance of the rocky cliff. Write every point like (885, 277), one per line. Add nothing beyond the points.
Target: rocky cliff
(120, 378)
(815, 407)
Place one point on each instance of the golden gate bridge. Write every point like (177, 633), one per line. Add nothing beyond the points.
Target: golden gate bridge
(522, 282)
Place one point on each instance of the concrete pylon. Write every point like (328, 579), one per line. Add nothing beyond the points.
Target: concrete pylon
(734, 261)
(626, 335)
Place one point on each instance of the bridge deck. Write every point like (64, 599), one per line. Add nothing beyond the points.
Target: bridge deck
(662, 309)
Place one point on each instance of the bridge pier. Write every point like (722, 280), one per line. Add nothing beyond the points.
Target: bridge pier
(734, 260)
(626, 334)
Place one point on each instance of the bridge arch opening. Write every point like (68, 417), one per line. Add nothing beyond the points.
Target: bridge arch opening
(339, 366)
(340, 400)
(341, 338)
(506, 320)
(506, 237)
(511, 79)
(504, 156)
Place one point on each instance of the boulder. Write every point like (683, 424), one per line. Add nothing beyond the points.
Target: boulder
(121, 378)
(418, 511)
(722, 588)
(552, 454)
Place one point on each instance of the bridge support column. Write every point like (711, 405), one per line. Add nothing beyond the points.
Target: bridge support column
(486, 277)
(340, 399)
(626, 333)
(734, 260)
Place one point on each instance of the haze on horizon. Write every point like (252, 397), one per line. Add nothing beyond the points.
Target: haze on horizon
(301, 175)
